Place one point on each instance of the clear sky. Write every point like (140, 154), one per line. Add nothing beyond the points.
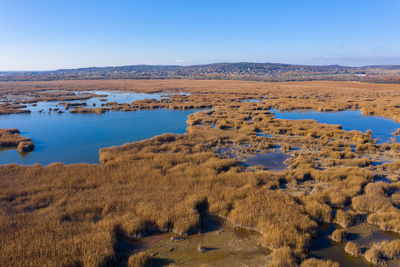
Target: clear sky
(52, 34)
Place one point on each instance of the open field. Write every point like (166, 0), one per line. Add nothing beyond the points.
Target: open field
(77, 215)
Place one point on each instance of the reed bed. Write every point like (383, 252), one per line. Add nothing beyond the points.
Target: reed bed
(74, 215)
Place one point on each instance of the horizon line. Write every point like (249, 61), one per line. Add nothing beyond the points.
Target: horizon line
(205, 64)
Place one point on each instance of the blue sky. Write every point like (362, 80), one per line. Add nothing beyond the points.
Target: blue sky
(52, 34)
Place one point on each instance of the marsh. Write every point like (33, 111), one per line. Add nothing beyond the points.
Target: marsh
(73, 138)
(318, 173)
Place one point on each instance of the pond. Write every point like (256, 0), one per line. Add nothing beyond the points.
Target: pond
(261, 134)
(324, 248)
(381, 128)
(274, 161)
(75, 138)
(363, 234)
(111, 96)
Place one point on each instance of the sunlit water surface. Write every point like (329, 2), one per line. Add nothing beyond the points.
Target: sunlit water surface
(381, 128)
(274, 161)
(74, 138)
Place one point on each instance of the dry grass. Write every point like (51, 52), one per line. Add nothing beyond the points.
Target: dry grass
(89, 110)
(373, 256)
(73, 215)
(12, 138)
(8, 108)
(140, 259)
(372, 99)
(346, 218)
(352, 248)
(378, 203)
(48, 210)
(312, 262)
(382, 252)
(339, 235)
(283, 257)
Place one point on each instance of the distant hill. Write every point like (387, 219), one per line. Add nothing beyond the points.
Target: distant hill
(239, 71)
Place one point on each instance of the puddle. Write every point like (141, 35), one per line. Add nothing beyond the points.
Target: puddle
(362, 234)
(377, 163)
(365, 234)
(324, 248)
(226, 151)
(232, 152)
(221, 244)
(250, 101)
(353, 148)
(264, 135)
(127, 247)
(383, 179)
(273, 161)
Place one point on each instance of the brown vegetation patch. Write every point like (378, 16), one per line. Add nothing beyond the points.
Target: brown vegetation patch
(7, 108)
(89, 110)
(339, 235)
(352, 248)
(140, 259)
(74, 215)
(12, 138)
(312, 262)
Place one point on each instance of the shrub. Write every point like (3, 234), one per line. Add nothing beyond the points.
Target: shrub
(140, 259)
(373, 255)
(283, 257)
(352, 248)
(313, 262)
(387, 221)
(339, 235)
(318, 211)
(346, 218)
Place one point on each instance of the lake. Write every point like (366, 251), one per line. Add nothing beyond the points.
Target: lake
(75, 138)
(381, 128)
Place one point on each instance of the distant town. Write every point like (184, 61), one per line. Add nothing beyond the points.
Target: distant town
(218, 71)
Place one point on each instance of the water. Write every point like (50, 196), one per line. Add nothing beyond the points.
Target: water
(114, 96)
(381, 128)
(375, 236)
(324, 248)
(273, 161)
(261, 134)
(363, 235)
(383, 179)
(250, 101)
(74, 138)
(222, 244)
(377, 163)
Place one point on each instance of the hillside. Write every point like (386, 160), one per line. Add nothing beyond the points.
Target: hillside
(239, 71)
